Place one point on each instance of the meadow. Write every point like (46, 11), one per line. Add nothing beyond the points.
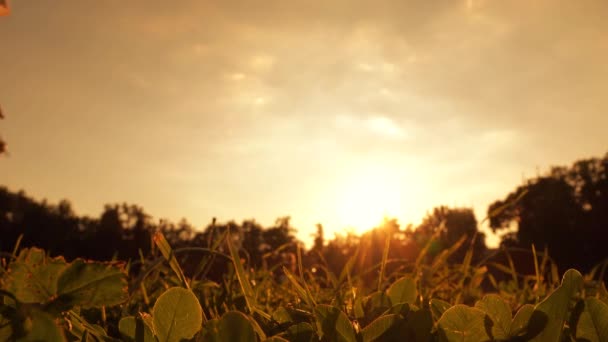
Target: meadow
(46, 298)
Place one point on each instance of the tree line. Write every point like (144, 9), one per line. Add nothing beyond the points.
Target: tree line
(564, 211)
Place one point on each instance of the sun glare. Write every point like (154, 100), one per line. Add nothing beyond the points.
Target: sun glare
(367, 197)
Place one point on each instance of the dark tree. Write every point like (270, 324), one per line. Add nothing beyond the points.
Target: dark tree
(565, 210)
(451, 224)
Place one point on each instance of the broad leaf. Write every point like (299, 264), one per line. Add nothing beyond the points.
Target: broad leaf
(499, 312)
(519, 325)
(379, 327)
(301, 332)
(177, 315)
(438, 307)
(32, 278)
(92, 284)
(547, 320)
(135, 330)
(41, 326)
(592, 324)
(403, 291)
(463, 323)
(333, 324)
(233, 326)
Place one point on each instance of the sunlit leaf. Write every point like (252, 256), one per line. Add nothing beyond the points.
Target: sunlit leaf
(403, 291)
(550, 315)
(500, 314)
(438, 307)
(380, 327)
(177, 315)
(463, 323)
(592, 324)
(519, 324)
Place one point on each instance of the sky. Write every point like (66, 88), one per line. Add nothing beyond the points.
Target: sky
(332, 111)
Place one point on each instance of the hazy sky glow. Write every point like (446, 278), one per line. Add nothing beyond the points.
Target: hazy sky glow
(330, 111)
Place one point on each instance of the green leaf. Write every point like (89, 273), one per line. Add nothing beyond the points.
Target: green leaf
(400, 309)
(301, 332)
(519, 325)
(403, 291)
(135, 329)
(233, 326)
(379, 327)
(92, 285)
(177, 315)
(592, 324)
(499, 312)
(79, 327)
(375, 304)
(282, 316)
(41, 326)
(438, 307)
(547, 320)
(7, 315)
(333, 324)
(463, 323)
(32, 277)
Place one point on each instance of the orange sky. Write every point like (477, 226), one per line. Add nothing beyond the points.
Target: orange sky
(329, 111)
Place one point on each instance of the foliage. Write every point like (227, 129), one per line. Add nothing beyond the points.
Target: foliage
(51, 299)
(567, 206)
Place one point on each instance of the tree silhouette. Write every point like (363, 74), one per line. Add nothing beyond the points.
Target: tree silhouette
(564, 210)
(451, 224)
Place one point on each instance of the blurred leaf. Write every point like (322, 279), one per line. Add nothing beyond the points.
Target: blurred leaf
(592, 324)
(41, 326)
(379, 327)
(333, 324)
(463, 323)
(32, 277)
(403, 290)
(135, 330)
(550, 315)
(519, 325)
(177, 315)
(301, 332)
(92, 284)
(282, 316)
(438, 307)
(233, 326)
(499, 312)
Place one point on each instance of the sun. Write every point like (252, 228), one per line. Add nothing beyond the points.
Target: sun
(367, 196)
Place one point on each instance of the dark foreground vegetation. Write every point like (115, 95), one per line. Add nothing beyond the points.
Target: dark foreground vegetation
(123, 276)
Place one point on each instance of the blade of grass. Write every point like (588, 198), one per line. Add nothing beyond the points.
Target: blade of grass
(300, 269)
(241, 276)
(387, 245)
(167, 252)
(299, 289)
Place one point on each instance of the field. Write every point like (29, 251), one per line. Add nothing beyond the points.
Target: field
(151, 299)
